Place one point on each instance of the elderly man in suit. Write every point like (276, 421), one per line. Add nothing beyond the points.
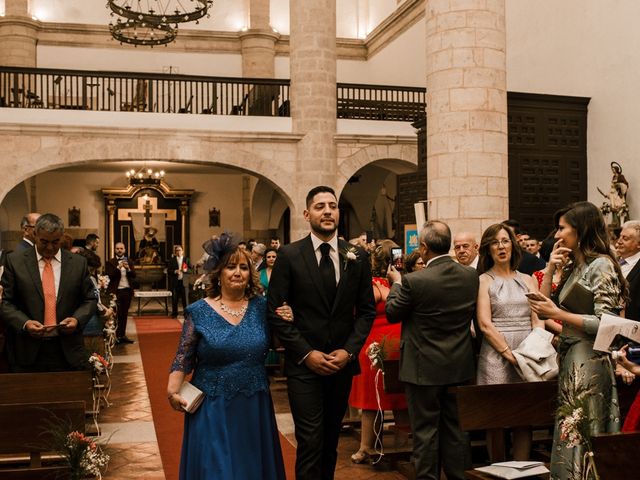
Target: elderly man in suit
(48, 299)
(628, 248)
(27, 224)
(435, 306)
(328, 286)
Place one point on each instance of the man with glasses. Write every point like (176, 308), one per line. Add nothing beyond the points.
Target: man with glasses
(27, 225)
(48, 300)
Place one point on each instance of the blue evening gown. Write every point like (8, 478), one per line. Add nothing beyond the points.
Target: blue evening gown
(233, 435)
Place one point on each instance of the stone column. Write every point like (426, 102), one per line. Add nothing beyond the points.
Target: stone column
(313, 100)
(258, 42)
(18, 35)
(467, 113)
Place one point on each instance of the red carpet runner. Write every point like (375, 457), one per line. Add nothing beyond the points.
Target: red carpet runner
(158, 339)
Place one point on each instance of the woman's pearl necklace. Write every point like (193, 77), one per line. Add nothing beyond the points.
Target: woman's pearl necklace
(235, 313)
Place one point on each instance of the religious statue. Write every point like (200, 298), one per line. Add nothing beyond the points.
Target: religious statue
(615, 202)
(148, 252)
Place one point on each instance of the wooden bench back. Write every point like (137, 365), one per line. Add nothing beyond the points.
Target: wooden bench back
(26, 427)
(46, 387)
(615, 454)
(526, 404)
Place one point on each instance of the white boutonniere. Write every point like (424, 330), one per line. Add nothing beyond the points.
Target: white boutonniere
(350, 255)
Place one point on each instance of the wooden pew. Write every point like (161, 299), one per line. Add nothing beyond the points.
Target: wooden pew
(26, 435)
(615, 454)
(495, 408)
(48, 387)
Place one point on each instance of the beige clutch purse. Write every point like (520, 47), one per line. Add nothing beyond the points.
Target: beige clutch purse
(193, 395)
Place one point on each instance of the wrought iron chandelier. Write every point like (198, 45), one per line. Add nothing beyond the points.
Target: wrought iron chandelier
(142, 33)
(145, 176)
(153, 22)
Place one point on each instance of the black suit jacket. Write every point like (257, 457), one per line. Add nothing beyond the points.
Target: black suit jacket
(172, 266)
(632, 310)
(112, 270)
(23, 245)
(24, 300)
(319, 325)
(435, 306)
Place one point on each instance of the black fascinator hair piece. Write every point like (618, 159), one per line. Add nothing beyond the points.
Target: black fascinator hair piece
(217, 248)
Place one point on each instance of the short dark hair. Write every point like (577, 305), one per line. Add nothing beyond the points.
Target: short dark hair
(49, 222)
(92, 237)
(319, 189)
(486, 260)
(437, 236)
(513, 225)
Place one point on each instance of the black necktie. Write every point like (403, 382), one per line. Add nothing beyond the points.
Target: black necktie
(327, 272)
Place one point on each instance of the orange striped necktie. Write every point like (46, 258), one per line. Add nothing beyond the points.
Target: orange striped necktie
(49, 290)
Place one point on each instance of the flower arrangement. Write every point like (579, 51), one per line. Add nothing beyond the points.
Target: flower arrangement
(84, 456)
(379, 352)
(350, 255)
(98, 363)
(576, 395)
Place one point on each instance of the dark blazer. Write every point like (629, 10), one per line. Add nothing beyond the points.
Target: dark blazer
(112, 270)
(172, 266)
(318, 325)
(529, 263)
(632, 310)
(24, 300)
(435, 306)
(23, 245)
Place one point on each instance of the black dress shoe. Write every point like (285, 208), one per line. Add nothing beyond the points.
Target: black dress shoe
(124, 340)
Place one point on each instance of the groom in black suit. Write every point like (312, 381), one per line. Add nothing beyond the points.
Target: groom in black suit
(328, 287)
(435, 306)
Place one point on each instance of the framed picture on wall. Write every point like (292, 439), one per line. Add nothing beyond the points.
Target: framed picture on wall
(410, 238)
(214, 217)
(74, 217)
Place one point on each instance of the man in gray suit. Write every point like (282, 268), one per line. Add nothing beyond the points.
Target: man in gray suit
(435, 306)
(48, 299)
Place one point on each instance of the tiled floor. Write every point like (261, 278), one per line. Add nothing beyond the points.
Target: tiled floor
(127, 424)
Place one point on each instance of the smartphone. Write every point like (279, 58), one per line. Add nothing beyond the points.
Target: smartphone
(396, 258)
(535, 296)
(633, 351)
(369, 236)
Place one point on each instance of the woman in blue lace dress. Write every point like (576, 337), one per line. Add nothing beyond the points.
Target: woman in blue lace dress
(582, 250)
(233, 434)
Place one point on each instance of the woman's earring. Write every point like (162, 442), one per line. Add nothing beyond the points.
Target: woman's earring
(219, 284)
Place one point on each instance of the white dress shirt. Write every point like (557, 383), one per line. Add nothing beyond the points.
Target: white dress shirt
(630, 262)
(56, 265)
(333, 253)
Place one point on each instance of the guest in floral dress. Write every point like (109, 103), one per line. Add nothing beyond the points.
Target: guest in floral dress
(583, 244)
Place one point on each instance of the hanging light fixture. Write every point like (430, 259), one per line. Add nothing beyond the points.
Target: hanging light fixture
(153, 22)
(145, 176)
(161, 11)
(142, 33)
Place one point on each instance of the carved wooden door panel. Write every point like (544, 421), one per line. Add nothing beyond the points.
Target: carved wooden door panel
(547, 157)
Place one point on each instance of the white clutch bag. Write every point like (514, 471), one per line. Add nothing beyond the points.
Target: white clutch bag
(193, 395)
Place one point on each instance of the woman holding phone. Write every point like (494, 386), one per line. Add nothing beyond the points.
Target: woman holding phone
(583, 248)
(504, 316)
(364, 391)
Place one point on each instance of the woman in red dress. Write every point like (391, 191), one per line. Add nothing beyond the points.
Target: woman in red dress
(363, 391)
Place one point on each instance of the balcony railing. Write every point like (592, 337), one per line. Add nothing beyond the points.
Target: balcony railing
(141, 92)
(375, 102)
(169, 93)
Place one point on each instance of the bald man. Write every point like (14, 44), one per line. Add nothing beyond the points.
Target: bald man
(466, 249)
(27, 225)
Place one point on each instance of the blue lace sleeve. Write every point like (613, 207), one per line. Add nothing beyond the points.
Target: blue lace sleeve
(185, 359)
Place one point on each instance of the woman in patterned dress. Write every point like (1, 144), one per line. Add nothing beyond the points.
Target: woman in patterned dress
(583, 245)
